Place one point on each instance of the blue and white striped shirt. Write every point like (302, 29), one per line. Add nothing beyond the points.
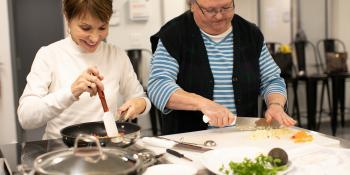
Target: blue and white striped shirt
(164, 70)
(220, 56)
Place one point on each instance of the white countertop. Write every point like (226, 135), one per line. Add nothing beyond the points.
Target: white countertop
(320, 147)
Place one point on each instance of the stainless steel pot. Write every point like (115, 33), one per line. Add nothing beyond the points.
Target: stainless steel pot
(87, 160)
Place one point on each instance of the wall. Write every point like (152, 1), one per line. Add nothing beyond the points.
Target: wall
(135, 35)
(276, 20)
(7, 111)
(130, 34)
(248, 9)
(172, 9)
(341, 30)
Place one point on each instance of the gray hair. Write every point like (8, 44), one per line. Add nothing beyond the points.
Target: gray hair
(189, 2)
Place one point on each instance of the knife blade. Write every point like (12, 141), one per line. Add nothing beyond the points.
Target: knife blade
(191, 147)
(182, 145)
(163, 142)
(247, 124)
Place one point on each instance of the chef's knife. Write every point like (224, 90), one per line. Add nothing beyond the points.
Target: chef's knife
(167, 143)
(247, 124)
(206, 119)
(177, 154)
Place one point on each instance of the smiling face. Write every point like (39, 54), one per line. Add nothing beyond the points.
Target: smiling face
(88, 31)
(213, 16)
(88, 21)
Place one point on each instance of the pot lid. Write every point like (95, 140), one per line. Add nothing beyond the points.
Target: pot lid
(86, 160)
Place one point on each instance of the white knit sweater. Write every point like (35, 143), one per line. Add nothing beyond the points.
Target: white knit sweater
(47, 97)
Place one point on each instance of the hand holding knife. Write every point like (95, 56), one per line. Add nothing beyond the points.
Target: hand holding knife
(177, 154)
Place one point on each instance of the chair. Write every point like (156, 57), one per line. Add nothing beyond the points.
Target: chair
(332, 45)
(273, 47)
(311, 77)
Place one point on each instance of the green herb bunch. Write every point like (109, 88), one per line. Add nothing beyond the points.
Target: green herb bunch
(262, 165)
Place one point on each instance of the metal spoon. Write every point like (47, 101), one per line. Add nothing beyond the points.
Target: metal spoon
(210, 143)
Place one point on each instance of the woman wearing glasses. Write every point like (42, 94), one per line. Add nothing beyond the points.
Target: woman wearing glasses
(210, 61)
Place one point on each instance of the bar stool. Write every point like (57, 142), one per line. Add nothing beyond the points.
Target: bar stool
(333, 45)
(311, 80)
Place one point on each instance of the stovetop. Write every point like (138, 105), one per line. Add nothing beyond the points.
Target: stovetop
(25, 153)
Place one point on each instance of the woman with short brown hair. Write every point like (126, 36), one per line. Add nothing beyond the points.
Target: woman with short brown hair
(62, 84)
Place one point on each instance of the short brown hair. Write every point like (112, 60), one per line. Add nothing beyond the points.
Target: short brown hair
(102, 9)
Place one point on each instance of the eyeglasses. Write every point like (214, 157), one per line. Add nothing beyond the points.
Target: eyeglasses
(214, 11)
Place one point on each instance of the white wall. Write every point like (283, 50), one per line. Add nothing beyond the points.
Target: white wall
(172, 9)
(341, 26)
(248, 9)
(341, 30)
(136, 35)
(275, 20)
(7, 111)
(130, 34)
(313, 19)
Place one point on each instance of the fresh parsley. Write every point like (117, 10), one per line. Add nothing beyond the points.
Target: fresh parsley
(262, 165)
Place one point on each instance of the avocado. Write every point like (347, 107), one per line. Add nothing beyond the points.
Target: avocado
(279, 153)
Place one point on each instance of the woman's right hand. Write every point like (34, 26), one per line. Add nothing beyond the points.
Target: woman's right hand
(88, 81)
(219, 115)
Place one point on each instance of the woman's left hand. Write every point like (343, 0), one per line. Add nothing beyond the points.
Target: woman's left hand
(276, 112)
(131, 108)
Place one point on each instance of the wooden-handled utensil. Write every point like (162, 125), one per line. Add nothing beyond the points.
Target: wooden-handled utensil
(102, 97)
(108, 119)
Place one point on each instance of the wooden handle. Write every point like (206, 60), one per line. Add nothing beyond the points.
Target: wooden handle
(101, 95)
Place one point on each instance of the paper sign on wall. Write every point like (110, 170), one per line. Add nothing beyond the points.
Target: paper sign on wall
(138, 10)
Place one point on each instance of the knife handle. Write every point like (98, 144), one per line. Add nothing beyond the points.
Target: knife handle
(206, 119)
(175, 153)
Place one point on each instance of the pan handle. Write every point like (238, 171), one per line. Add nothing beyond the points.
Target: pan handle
(90, 154)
